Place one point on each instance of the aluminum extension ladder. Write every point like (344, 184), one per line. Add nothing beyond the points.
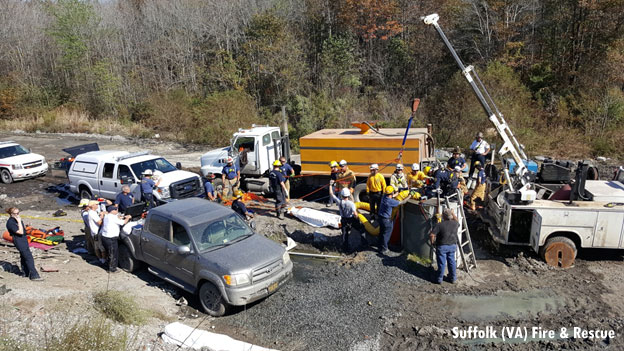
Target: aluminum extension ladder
(466, 251)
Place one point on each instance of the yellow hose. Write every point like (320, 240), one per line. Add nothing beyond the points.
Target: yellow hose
(371, 229)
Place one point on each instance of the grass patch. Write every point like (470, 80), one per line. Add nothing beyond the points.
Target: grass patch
(423, 261)
(120, 307)
(7, 343)
(92, 334)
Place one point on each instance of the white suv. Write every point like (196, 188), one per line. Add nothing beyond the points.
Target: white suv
(17, 162)
(102, 173)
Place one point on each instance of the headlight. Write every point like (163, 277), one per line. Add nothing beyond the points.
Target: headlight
(164, 192)
(285, 258)
(17, 167)
(236, 279)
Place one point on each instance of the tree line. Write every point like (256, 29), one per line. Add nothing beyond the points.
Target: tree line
(195, 70)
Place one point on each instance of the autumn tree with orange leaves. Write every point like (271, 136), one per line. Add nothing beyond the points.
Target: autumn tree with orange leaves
(371, 19)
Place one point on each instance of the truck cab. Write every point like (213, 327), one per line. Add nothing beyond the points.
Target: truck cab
(105, 172)
(17, 162)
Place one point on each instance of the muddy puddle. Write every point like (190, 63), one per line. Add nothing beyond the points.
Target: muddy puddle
(502, 305)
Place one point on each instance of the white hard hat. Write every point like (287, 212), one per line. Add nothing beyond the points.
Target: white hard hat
(342, 163)
(229, 159)
(415, 167)
(399, 166)
(374, 166)
(147, 172)
(83, 203)
(345, 192)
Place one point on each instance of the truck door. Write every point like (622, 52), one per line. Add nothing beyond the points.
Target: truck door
(608, 230)
(180, 266)
(124, 171)
(268, 146)
(154, 240)
(108, 184)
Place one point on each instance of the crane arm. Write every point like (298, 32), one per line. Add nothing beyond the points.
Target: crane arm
(510, 144)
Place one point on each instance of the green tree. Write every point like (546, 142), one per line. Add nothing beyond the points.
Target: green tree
(339, 65)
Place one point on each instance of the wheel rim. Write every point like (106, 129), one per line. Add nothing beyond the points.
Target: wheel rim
(211, 298)
(6, 177)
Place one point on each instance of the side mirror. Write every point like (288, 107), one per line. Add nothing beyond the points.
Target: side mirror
(127, 180)
(184, 250)
(178, 165)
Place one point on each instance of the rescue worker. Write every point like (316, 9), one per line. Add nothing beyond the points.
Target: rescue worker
(124, 199)
(239, 206)
(444, 236)
(348, 214)
(276, 179)
(230, 176)
(346, 177)
(211, 194)
(147, 188)
(288, 172)
(111, 226)
(333, 165)
(447, 181)
(456, 160)
(375, 184)
(416, 178)
(398, 180)
(94, 220)
(385, 217)
(17, 229)
(479, 190)
(84, 214)
(479, 148)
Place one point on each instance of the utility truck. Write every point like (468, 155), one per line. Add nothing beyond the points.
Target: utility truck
(554, 219)
(255, 149)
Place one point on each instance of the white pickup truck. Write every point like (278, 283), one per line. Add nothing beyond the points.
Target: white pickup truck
(103, 173)
(17, 162)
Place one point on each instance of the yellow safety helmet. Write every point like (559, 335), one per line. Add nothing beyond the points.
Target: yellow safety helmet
(427, 169)
(277, 163)
(238, 194)
(333, 163)
(389, 190)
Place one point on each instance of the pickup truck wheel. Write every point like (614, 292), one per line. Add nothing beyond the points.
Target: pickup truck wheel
(359, 193)
(559, 251)
(85, 193)
(6, 177)
(125, 259)
(211, 300)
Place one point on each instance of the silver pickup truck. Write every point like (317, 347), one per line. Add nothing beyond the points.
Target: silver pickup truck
(206, 249)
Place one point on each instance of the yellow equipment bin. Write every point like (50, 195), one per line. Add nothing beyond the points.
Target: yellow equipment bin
(360, 148)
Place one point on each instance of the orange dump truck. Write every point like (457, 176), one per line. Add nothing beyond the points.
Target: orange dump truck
(362, 147)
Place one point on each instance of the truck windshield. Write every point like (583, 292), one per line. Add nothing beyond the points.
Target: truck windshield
(158, 164)
(11, 151)
(242, 143)
(222, 232)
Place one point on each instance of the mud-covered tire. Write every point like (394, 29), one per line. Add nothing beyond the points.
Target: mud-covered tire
(359, 193)
(6, 177)
(85, 193)
(126, 261)
(559, 251)
(211, 300)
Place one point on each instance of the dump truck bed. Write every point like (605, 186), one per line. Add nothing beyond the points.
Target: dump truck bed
(360, 150)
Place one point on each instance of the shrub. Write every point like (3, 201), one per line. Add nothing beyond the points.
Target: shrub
(120, 307)
(92, 334)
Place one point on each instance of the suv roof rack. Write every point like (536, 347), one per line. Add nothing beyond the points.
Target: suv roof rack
(131, 155)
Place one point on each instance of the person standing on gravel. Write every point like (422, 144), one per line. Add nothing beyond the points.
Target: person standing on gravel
(348, 214)
(17, 230)
(386, 224)
(230, 176)
(276, 179)
(333, 165)
(211, 194)
(479, 148)
(375, 184)
(346, 177)
(288, 172)
(147, 188)
(111, 227)
(444, 236)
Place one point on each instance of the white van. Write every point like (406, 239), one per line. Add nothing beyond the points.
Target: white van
(17, 162)
(102, 174)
